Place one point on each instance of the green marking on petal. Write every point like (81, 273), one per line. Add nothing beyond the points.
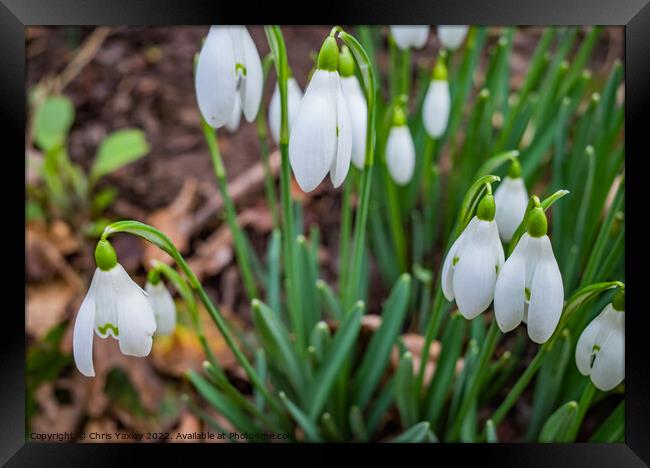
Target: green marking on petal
(240, 67)
(527, 293)
(337, 131)
(104, 329)
(454, 261)
(496, 268)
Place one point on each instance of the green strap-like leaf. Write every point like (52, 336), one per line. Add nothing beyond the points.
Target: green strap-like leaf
(415, 434)
(119, 149)
(557, 426)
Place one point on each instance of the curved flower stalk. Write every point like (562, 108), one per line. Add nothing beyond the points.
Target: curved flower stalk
(511, 199)
(529, 287)
(437, 102)
(228, 77)
(407, 37)
(452, 37)
(600, 351)
(400, 150)
(294, 97)
(321, 137)
(114, 306)
(474, 261)
(356, 106)
(161, 302)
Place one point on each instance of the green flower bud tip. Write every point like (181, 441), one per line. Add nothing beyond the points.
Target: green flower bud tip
(346, 62)
(399, 117)
(328, 57)
(322, 326)
(515, 169)
(153, 276)
(440, 69)
(486, 208)
(105, 255)
(537, 223)
(619, 301)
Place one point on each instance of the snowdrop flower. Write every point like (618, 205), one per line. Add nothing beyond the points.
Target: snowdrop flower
(161, 302)
(452, 37)
(233, 122)
(437, 102)
(357, 106)
(473, 262)
(228, 68)
(529, 287)
(114, 306)
(600, 352)
(294, 96)
(400, 150)
(321, 137)
(511, 199)
(410, 36)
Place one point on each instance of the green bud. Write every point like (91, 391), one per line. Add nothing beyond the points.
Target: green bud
(486, 208)
(328, 57)
(515, 169)
(440, 69)
(346, 62)
(105, 255)
(153, 276)
(619, 301)
(399, 116)
(537, 223)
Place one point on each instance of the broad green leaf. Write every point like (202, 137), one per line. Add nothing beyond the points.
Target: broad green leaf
(405, 390)
(319, 340)
(417, 433)
(357, 424)
(311, 430)
(52, 122)
(613, 428)
(119, 149)
(332, 304)
(377, 354)
(337, 353)
(273, 275)
(491, 432)
(558, 425)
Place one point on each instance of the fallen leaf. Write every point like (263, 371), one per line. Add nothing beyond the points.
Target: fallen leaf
(47, 304)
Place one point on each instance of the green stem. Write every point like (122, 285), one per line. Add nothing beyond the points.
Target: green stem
(241, 248)
(344, 241)
(431, 332)
(583, 405)
(262, 136)
(475, 379)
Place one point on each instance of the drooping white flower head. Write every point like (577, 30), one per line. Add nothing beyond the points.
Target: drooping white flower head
(600, 351)
(529, 287)
(452, 37)
(162, 304)
(228, 68)
(473, 263)
(400, 150)
(294, 97)
(437, 102)
(511, 199)
(410, 36)
(114, 306)
(233, 122)
(357, 106)
(321, 137)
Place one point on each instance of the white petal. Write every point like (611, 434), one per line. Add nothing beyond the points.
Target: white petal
(312, 143)
(452, 36)
(135, 317)
(233, 123)
(341, 163)
(358, 115)
(400, 155)
(475, 274)
(448, 267)
(546, 296)
(511, 200)
(509, 293)
(586, 342)
(435, 110)
(410, 36)
(609, 366)
(82, 336)
(253, 83)
(215, 79)
(106, 320)
(163, 307)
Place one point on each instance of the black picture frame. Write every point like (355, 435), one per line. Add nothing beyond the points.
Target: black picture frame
(633, 14)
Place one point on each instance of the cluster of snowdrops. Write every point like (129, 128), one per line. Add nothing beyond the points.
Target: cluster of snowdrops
(324, 131)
